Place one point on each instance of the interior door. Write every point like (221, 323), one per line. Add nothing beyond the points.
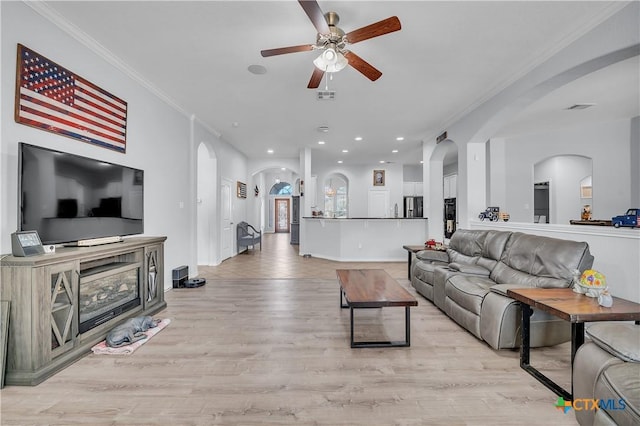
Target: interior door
(282, 215)
(226, 214)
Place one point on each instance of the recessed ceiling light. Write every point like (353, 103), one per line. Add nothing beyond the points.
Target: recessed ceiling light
(283, 168)
(345, 150)
(381, 161)
(394, 151)
(358, 138)
(269, 151)
(400, 138)
(421, 162)
(320, 142)
(323, 129)
(339, 161)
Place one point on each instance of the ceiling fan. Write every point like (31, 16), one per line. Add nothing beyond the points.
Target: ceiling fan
(333, 41)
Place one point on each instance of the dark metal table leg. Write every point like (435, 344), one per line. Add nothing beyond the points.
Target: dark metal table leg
(577, 339)
(351, 321)
(525, 349)
(407, 326)
(525, 355)
(409, 265)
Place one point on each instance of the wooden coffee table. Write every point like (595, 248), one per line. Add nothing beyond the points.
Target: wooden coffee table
(374, 288)
(569, 306)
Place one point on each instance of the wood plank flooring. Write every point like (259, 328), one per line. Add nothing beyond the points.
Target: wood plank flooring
(265, 342)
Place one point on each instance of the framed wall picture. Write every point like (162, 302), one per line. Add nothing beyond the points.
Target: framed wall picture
(241, 189)
(54, 99)
(378, 178)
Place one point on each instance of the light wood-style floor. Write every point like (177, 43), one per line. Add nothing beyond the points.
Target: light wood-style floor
(265, 342)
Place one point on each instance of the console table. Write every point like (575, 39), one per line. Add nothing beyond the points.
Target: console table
(45, 330)
(569, 306)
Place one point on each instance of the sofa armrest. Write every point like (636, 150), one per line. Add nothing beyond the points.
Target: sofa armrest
(620, 340)
(433, 255)
(469, 269)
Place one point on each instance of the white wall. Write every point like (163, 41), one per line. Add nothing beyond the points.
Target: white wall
(161, 140)
(634, 161)
(564, 174)
(605, 143)
(612, 41)
(412, 173)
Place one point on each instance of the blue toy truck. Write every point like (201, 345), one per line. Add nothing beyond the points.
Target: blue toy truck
(631, 218)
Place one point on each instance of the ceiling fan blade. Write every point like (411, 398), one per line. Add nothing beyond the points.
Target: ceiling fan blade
(362, 66)
(313, 11)
(383, 27)
(316, 78)
(283, 50)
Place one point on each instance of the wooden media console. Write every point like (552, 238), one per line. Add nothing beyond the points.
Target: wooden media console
(65, 302)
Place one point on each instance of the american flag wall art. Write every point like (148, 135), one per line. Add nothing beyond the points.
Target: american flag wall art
(54, 99)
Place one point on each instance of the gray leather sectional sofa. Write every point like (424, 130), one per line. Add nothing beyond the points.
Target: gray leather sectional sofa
(607, 369)
(469, 282)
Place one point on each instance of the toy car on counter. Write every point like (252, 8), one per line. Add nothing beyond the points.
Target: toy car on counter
(631, 218)
(491, 213)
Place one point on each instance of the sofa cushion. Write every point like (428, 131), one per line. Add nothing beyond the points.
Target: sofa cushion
(433, 256)
(619, 339)
(537, 261)
(493, 247)
(620, 382)
(469, 269)
(423, 271)
(468, 291)
(465, 245)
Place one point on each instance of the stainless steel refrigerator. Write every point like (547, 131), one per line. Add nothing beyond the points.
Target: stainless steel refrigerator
(413, 206)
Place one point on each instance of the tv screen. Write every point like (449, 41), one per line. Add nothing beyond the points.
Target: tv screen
(68, 198)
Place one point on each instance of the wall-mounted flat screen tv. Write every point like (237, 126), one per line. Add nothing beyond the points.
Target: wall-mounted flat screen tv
(69, 198)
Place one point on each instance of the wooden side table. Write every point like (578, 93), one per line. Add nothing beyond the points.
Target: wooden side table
(569, 306)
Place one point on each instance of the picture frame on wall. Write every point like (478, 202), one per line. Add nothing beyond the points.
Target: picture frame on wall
(378, 178)
(52, 98)
(241, 190)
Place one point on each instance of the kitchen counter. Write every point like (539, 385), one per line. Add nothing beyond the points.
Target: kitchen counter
(362, 239)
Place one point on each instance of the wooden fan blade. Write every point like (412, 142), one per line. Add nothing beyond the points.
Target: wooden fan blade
(383, 27)
(283, 50)
(362, 66)
(316, 78)
(313, 11)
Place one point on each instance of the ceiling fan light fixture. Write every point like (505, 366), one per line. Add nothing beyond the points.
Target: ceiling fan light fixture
(330, 60)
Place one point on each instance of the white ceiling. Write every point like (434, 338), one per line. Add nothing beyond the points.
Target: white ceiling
(448, 57)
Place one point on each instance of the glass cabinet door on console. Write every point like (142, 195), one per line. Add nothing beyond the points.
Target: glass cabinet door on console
(63, 301)
(153, 283)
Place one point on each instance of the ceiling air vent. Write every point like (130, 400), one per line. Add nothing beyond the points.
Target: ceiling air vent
(326, 95)
(580, 106)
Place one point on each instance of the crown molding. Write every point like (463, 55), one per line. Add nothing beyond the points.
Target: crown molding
(61, 22)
